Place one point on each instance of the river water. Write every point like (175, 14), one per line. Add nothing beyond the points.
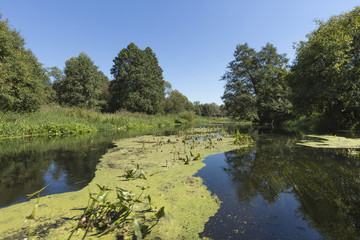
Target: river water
(275, 189)
(280, 190)
(63, 163)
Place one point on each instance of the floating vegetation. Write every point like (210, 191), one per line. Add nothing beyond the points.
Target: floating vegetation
(242, 138)
(102, 216)
(33, 216)
(118, 213)
(134, 173)
(326, 141)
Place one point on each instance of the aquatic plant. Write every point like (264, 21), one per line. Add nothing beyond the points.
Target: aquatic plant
(242, 138)
(105, 216)
(134, 173)
(33, 216)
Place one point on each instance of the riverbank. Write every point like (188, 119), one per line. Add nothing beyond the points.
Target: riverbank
(169, 181)
(55, 120)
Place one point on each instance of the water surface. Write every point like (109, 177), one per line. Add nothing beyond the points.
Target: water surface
(278, 190)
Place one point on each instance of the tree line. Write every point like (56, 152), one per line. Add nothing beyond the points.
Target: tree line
(322, 84)
(137, 85)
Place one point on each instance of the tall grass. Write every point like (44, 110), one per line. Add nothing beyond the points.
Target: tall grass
(54, 120)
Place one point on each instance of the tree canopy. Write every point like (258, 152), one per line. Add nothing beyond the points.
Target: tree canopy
(24, 83)
(82, 83)
(326, 72)
(176, 102)
(138, 85)
(255, 86)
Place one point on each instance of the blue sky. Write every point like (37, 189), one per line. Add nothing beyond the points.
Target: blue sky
(193, 40)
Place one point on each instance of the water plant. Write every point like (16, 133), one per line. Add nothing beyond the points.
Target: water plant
(242, 138)
(105, 216)
(33, 216)
(134, 173)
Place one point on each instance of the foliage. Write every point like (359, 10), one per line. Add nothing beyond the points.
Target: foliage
(325, 75)
(176, 102)
(66, 121)
(255, 86)
(24, 85)
(33, 216)
(82, 85)
(138, 85)
(134, 173)
(105, 216)
(208, 109)
(242, 138)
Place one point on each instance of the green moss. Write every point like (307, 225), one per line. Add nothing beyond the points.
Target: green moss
(326, 141)
(188, 204)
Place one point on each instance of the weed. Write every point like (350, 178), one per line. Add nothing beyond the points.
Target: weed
(104, 216)
(33, 216)
(134, 173)
(242, 138)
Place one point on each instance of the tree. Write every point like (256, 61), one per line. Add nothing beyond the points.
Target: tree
(24, 84)
(255, 86)
(325, 75)
(176, 102)
(82, 85)
(138, 85)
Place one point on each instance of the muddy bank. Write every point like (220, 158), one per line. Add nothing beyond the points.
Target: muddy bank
(188, 204)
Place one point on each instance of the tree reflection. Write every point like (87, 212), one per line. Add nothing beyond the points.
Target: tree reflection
(26, 166)
(326, 184)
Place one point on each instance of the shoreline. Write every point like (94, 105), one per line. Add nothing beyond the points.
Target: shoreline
(188, 204)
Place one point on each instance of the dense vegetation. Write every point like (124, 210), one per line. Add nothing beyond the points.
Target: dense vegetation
(320, 90)
(35, 100)
(69, 121)
(23, 81)
(83, 85)
(255, 87)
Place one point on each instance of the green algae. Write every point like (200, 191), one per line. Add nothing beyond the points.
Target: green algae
(188, 204)
(326, 141)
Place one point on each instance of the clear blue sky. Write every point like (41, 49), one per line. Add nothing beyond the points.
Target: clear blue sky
(194, 40)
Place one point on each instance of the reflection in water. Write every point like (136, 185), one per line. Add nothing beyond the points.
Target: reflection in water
(66, 164)
(278, 190)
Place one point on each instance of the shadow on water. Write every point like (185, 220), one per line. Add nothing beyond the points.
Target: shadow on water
(279, 190)
(67, 163)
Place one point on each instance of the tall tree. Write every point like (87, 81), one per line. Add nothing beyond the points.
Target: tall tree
(325, 75)
(24, 83)
(138, 85)
(176, 102)
(82, 84)
(255, 86)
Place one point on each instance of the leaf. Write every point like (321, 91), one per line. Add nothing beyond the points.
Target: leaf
(160, 213)
(197, 157)
(37, 192)
(137, 230)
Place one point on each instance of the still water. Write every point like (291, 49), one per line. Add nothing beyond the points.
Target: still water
(65, 163)
(279, 190)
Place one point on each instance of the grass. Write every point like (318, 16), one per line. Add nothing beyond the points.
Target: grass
(56, 121)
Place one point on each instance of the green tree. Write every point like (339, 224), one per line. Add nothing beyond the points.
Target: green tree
(176, 102)
(325, 75)
(82, 85)
(255, 86)
(24, 84)
(138, 85)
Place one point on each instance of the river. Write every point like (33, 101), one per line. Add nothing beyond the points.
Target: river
(274, 189)
(280, 190)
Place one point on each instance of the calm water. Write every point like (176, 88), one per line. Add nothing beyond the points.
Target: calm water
(278, 190)
(67, 164)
